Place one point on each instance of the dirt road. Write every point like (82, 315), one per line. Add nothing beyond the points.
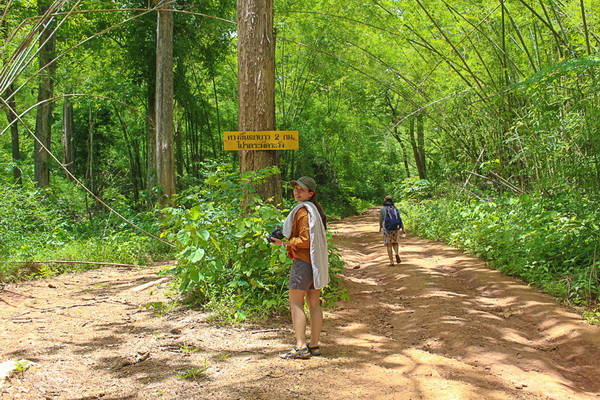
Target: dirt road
(439, 326)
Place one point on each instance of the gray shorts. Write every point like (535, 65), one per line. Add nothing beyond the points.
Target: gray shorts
(301, 275)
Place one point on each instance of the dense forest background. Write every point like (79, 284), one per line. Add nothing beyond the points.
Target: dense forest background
(482, 117)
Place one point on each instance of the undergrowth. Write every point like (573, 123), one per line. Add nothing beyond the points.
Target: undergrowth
(39, 226)
(550, 241)
(224, 261)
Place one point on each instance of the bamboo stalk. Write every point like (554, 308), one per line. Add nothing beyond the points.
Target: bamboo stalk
(522, 41)
(452, 45)
(547, 23)
(585, 28)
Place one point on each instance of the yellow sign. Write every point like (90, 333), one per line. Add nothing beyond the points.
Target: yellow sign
(261, 140)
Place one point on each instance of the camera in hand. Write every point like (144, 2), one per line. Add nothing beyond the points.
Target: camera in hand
(276, 233)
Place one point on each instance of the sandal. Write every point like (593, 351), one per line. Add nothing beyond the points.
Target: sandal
(297, 353)
(314, 350)
(398, 259)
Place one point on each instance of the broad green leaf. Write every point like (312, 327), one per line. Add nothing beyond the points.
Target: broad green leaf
(204, 234)
(196, 255)
(183, 236)
(283, 257)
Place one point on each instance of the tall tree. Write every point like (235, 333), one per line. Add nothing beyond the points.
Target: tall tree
(165, 157)
(43, 131)
(67, 136)
(11, 116)
(256, 86)
(10, 107)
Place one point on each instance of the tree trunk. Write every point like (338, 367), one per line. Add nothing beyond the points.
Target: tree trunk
(396, 135)
(165, 157)
(14, 130)
(217, 111)
(256, 86)
(133, 150)
(417, 142)
(10, 109)
(404, 154)
(585, 28)
(151, 142)
(67, 137)
(421, 165)
(90, 174)
(43, 121)
(179, 151)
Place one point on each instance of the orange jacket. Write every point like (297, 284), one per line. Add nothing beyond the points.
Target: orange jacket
(300, 237)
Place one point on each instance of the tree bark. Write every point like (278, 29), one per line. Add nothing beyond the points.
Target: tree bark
(90, 170)
(417, 142)
(43, 121)
(14, 130)
(421, 164)
(67, 137)
(165, 157)
(151, 142)
(396, 135)
(133, 150)
(256, 85)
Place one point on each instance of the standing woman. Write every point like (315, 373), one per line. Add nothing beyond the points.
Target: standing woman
(390, 237)
(307, 245)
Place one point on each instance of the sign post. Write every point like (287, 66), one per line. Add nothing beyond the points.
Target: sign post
(261, 140)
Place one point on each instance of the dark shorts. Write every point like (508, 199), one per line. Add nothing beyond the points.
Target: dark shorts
(301, 275)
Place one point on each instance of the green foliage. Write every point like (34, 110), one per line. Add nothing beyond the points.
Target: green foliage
(224, 260)
(160, 308)
(592, 315)
(508, 96)
(194, 373)
(54, 224)
(414, 189)
(549, 241)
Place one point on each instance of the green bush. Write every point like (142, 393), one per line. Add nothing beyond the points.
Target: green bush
(224, 260)
(54, 224)
(415, 188)
(546, 241)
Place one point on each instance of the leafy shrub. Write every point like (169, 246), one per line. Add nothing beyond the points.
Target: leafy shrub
(415, 188)
(546, 241)
(25, 216)
(52, 224)
(224, 261)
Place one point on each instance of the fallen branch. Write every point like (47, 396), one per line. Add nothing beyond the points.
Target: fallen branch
(147, 285)
(49, 309)
(77, 262)
(269, 330)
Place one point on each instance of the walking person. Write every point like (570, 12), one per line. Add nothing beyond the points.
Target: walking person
(307, 245)
(390, 225)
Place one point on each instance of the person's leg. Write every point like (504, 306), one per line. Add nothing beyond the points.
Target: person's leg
(298, 316)
(313, 299)
(390, 252)
(396, 250)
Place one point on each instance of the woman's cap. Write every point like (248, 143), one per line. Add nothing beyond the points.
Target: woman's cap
(305, 182)
(387, 198)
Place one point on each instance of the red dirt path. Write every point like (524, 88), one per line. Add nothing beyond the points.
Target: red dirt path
(442, 325)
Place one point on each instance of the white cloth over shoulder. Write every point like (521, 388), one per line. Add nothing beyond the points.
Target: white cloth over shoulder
(319, 255)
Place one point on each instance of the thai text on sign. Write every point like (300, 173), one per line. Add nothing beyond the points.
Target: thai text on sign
(261, 140)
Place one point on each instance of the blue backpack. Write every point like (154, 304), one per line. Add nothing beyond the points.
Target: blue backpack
(392, 221)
